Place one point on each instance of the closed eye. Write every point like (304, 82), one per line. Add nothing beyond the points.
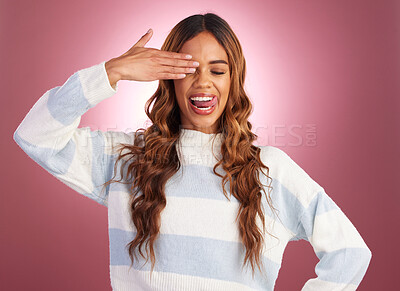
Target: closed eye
(214, 72)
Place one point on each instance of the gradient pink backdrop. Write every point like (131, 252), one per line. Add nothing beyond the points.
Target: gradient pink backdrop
(331, 67)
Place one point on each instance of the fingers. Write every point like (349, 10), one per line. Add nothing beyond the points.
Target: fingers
(172, 66)
(169, 72)
(174, 72)
(144, 39)
(169, 76)
(173, 55)
(175, 62)
(145, 64)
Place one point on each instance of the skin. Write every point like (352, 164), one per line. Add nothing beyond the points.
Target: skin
(140, 63)
(204, 48)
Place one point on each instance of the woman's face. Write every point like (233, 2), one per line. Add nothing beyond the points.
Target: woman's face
(210, 84)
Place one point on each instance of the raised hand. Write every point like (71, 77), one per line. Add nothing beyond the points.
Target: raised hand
(148, 64)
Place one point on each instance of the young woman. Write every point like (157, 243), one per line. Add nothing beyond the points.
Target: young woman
(190, 186)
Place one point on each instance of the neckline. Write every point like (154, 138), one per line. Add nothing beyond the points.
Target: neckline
(200, 138)
(197, 147)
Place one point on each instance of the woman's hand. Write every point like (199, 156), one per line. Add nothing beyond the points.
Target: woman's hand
(148, 64)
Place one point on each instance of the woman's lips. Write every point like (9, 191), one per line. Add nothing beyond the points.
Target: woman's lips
(202, 95)
(212, 102)
(202, 111)
(203, 104)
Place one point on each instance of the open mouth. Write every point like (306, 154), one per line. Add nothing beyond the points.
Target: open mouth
(203, 103)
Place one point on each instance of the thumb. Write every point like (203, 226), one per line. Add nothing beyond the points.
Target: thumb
(144, 39)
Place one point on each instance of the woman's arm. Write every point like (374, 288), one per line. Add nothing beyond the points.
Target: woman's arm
(49, 133)
(310, 214)
(81, 158)
(343, 255)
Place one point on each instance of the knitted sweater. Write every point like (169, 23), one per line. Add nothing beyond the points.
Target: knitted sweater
(199, 246)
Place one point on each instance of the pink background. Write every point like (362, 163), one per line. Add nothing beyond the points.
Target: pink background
(324, 80)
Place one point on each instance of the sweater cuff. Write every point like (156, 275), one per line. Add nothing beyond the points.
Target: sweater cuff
(95, 84)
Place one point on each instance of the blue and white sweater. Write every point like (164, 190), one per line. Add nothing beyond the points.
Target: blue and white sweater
(199, 246)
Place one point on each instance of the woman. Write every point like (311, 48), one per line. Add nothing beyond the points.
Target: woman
(174, 177)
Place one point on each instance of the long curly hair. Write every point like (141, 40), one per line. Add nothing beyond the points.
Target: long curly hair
(153, 157)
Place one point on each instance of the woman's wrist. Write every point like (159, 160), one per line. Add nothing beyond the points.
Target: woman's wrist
(112, 72)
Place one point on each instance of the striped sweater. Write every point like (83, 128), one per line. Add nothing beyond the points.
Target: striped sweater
(199, 246)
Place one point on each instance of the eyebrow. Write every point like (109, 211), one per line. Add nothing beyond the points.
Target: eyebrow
(218, 62)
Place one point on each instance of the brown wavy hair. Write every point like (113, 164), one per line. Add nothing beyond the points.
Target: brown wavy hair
(153, 157)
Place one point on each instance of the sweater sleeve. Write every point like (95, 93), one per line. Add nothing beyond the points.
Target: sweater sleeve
(49, 134)
(343, 255)
(313, 216)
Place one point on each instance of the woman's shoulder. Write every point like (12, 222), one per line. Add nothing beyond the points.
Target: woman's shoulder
(288, 173)
(114, 139)
(276, 157)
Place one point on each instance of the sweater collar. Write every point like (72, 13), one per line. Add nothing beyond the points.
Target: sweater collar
(197, 147)
(196, 137)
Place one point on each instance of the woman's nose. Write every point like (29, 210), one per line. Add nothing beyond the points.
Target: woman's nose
(202, 79)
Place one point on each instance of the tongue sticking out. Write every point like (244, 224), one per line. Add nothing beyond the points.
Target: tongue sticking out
(203, 104)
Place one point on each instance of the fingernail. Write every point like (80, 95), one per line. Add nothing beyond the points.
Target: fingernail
(148, 31)
(188, 56)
